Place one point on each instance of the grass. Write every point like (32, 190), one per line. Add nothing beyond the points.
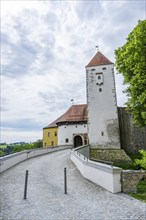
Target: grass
(3, 146)
(130, 166)
(127, 166)
(141, 191)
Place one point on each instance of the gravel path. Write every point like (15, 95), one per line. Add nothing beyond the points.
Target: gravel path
(46, 199)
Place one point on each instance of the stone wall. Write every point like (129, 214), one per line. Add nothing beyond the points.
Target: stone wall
(130, 180)
(112, 155)
(133, 138)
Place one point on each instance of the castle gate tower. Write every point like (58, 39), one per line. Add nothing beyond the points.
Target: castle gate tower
(103, 126)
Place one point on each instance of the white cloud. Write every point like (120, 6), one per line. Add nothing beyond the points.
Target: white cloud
(14, 7)
(45, 47)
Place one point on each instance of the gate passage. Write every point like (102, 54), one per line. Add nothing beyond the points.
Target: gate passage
(78, 141)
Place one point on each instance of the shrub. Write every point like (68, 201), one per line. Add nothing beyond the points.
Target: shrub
(1, 153)
(141, 162)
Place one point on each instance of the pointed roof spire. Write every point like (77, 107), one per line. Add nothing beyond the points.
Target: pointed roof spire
(99, 59)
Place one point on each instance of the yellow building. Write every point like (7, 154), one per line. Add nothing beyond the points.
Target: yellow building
(50, 134)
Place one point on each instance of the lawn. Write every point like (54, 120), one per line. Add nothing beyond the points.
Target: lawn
(141, 191)
(3, 146)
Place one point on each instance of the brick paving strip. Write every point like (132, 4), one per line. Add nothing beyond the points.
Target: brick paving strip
(46, 199)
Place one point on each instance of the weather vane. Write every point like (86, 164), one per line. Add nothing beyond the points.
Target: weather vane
(72, 100)
(97, 47)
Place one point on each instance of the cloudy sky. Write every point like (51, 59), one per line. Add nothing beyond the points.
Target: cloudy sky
(45, 46)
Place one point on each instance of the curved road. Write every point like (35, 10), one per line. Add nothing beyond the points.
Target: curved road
(46, 199)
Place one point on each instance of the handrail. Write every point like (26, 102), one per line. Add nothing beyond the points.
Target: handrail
(78, 148)
(88, 157)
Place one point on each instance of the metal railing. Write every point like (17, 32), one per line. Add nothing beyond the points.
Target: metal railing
(85, 152)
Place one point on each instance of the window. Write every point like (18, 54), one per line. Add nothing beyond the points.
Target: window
(99, 79)
(48, 134)
(100, 89)
(55, 133)
(104, 68)
(99, 73)
(66, 140)
(52, 143)
(102, 133)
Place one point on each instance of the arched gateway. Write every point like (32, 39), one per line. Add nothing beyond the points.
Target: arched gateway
(78, 141)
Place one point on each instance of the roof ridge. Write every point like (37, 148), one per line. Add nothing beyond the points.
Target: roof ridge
(74, 114)
(99, 59)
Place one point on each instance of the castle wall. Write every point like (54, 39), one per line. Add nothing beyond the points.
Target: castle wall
(133, 138)
(130, 180)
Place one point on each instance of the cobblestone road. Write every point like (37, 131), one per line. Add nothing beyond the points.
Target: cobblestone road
(46, 199)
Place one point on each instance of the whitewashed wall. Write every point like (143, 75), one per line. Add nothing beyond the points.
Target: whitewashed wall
(102, 174)
(67, 131)
(102, 107)
(10, 160)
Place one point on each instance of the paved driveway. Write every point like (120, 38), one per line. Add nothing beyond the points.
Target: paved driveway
(46, 199)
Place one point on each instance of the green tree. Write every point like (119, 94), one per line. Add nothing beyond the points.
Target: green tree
(131, 62)
(38, 144)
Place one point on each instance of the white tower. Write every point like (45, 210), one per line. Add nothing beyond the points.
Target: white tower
(103, 126)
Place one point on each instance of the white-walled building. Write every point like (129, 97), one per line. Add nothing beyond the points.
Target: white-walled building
(70, 128)
(72, 134)
(103, 126)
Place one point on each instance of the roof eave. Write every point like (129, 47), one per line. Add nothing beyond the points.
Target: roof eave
(98, 65)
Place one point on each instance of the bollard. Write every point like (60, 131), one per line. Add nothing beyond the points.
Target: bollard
(65, 181)
(25, 186)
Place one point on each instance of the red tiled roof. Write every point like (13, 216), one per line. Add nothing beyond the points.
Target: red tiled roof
(99, 59)
(76, 113)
